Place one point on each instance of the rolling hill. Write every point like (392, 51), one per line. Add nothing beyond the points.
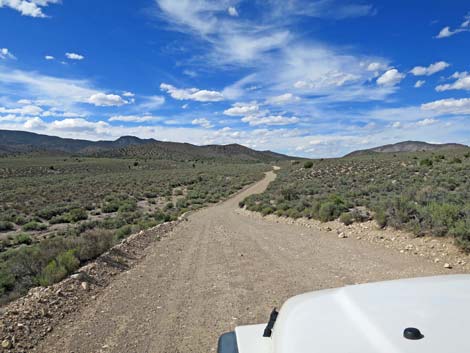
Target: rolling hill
(407, 146)
(20, 142)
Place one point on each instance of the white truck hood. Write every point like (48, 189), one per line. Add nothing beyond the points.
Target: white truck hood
(370, 318)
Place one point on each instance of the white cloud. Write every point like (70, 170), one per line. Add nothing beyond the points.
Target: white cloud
(430, 70)
(427, 122)
(78, 125)
(194, 94)
(390, 78)
(25, 102)
(74, 56)
(376, 66)
(135, 118)
(32, 8)
(462, 82)
(202, 122)
(106, 100)
(25, 110)
(255, 120)
(128, 94)
(6, 54)
(448, 32)
(232, 11)
(449, 106)
(331, 78)
(151, 103)
(34, 124)
(419, 83)
(49, 57)
(283, 99)
(240, 109)
(397, 125)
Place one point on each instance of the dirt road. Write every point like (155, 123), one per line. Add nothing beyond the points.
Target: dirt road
(218, 270)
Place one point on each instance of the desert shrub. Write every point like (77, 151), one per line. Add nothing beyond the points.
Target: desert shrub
(380, 217)
(52, 273)
(33, 225)
(329, 211)
(110, 207)
(456, 160)
(112, 223)
(124, 232)
(51, 211)
(461, 232)
(93, 243)
(426, 162)
(267, 210)
(346, 218)
(6, 226)
(308, 164)
(77, 214)
(23, 238)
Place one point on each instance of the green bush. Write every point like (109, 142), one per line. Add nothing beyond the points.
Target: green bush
(426, 162)
(23, 238)
(110, 207)
(77, 214)
(6, 226)
(308, 164)
(331, 210)
(124, 232)
(267, 210)
(52, 273)
(33, 225)
(346, 218)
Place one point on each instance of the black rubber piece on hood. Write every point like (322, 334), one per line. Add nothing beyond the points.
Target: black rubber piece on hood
(272, 320)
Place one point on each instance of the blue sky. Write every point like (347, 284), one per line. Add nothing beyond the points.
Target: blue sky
(311, 78)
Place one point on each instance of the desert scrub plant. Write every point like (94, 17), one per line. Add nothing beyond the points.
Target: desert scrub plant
(346, 218)
(308, 164)
(34, 225)
(23, 238)
(6, 226)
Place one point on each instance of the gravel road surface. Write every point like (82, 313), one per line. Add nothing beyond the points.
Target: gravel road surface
(218, 270)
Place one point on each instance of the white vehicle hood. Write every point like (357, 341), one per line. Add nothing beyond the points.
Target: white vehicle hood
(371, 318)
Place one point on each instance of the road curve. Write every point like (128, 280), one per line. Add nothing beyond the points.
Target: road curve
(218, 270)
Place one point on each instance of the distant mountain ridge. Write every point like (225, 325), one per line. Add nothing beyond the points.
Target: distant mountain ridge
(14, 142)
(407, 146)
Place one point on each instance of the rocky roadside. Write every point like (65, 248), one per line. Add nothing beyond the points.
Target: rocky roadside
(438, 250)
(27, 320)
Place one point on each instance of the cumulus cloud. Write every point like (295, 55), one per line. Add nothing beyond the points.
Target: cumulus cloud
(194, 94)
(419, 83)
(32, 8)
(232, 11)
(285, 98)
(376, 66)
(240, 109)
(74, 56)
(35, 123)
(106, 100)
(462, 83)
(430, 70)
(150, 103)
(331, 78)
(205, 123)
(128, 94)
(6, 54)
(135, 118)
(390, 78)
(49, 57)
(448, 106)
